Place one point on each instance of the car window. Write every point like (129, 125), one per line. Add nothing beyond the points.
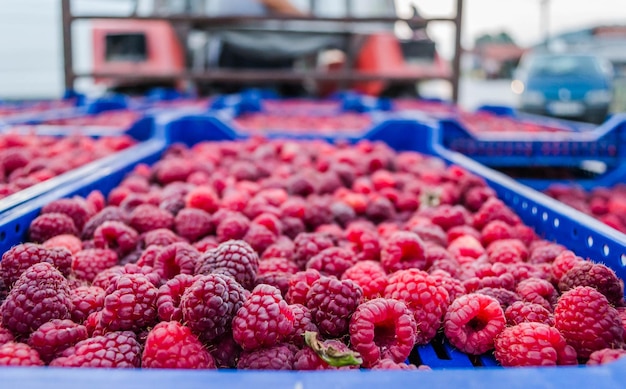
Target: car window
(552, 66)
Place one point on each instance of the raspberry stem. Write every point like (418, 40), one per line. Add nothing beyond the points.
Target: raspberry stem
(331, 355)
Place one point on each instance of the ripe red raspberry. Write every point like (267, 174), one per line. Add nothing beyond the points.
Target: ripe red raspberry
(475, 197)
(40, 294)
(466, 249)
(177, 258)
(504, 281)
(112, 350)
(299, 285)
(55, 336)
(588, 321)
(278, 357)
(368, 275)
(494, 209)
(205, 244)
(86, 264)
(459, 231)
(380, 209)
(19, 258)
(448, 216)
(309, 244)
(264, 320)
(225, 351)
(604, 356)
(232, 226)
(204, 198)
(5, 336)
(110, 213)
(389, 364)
(403, 250)
(422, 294)
(19, 354)
(533, 344)
(259, 237)
(210, 303)
(148, 255)
(282, 248)
(116, 236)
(504, 296)
(472, 322)
(507, 251)
(381, 329)
(174, 169)
(147, 217)
(317, 212)
(365, 242)
(105, 278)
(494, 231)
(308, 359)
(333, 261)
(431, 234)
(70, 242)
(193, 224)
(452, 285)
(538, 291)
(170, 345)
(234, 258)
(277, 264)
(49, 225)
(563, 263)
(85, 301)
(597, 276)
(302, 322)
(95, 200)
(278, 280)
(74, 208)
(332, 302)
(161, 237)
(522, 312)
(170, 293)
(546, 253)
(524, 233)
(130, 303)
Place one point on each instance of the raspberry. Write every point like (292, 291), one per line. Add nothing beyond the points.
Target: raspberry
(86, 264)
(106, 278)
(524, 233)
(332, 302)
(431, 233)
(507, 251)
(264, 320)
(309, 244)
(278, 357)
(381, 329)
(193, 224)
(233, 226)
(95, 200)
(73, 208)
(533, 344)
(368, 275)
(147, 217)
(273, 265)
(116, 236)
(466, 248)
(494, 209)
(522, 312)
(170, 345)
(172, 169)
(380, 209)
(110, 213)
(205, 244)
(472, 322)
(459, 231)
(282, 248)
(112, 350)
(333, 261)
(423, 296)
(5, 336)
(210, 303)
(588, 321)
(69, 242)
(504, 296)
(204, 198)
(494, 231)
(170, 293)
(270, 222)
(278, 280)
(402, 250)
(563, 263)
(49, 225)
(390, 364)
(545, 254)
(85, 301)
(302, 322)
(234, 258)
(53, 337)
(19, 258)
(503, 281)
(40, 294)
(259, 237)
(308, 359)
(177, 258)
(596, 276)
(130, 303)
(447, 216)
(452, 285)
(19, 354)
(161, 237)
(475, 197)
(364, 242)
(604, 356)
(622, 314)
(226, 352)
(299, 285)
(538, 291)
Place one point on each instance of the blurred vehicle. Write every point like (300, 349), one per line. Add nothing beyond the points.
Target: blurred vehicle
(566, 85)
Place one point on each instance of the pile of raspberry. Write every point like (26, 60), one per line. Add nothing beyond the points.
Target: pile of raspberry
(26, 160)
(288, 255)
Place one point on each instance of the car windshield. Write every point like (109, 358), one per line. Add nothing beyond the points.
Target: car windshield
(554, 66)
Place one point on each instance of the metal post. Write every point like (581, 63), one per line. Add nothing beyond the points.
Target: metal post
(68, 64)
(458, 51)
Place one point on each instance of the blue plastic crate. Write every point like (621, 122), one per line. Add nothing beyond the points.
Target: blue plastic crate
(452, 369)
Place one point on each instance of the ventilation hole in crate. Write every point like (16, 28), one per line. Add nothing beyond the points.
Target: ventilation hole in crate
(605, 250)
(18, 227)
(574, 232)
(515, 200)
(556, 222)
(623, 260)
(524, 205)
(3, 236)
(533, 210)
(589, 241)
(544, 216)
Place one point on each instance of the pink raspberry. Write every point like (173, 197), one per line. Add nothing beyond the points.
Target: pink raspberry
(381, 329)
(170, 345)
(606, 355)
(86, 264)
(504, 281)
(333, 261)
(538, 291)
(390, 364)
(51, 338)
(277, 264)
(448, 216)
(507, 251)
(106, 278)
(370, 276)
(130, 303)
(193, 224)
(522, 312)
(299, 285)
(116, 236)
(85, 301)
(422, 294)
(70, 242)
(302, 322)
(40, 294)
(19, 258)
(494, 209)
(278, 280)
(472, 322)
(172, 169)
(365, 242)
(466, 248)
(588, 321)
(74, 208)
(259, 237)
(5, 336)
(233, 226)
(161, 237)
(597, 276)
(277, 357)
(282, 248)
(494, 231)
(204, 198)
(533, 344)
(19, 354)
(308, 359)
(226, 352)
(170, 293)
(177, 258)
(112, 350)
(308, 245)
(546, 253)
(452, 285)
(431, 233)
(403, 250)
(264, 320)
(505, 297)
(563, 263)
(49, 225)
(459, 231)
(110, 213)
(234, 258)
(147, 217)
(332, 302)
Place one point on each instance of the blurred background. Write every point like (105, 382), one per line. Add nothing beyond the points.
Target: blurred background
(496, 36)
